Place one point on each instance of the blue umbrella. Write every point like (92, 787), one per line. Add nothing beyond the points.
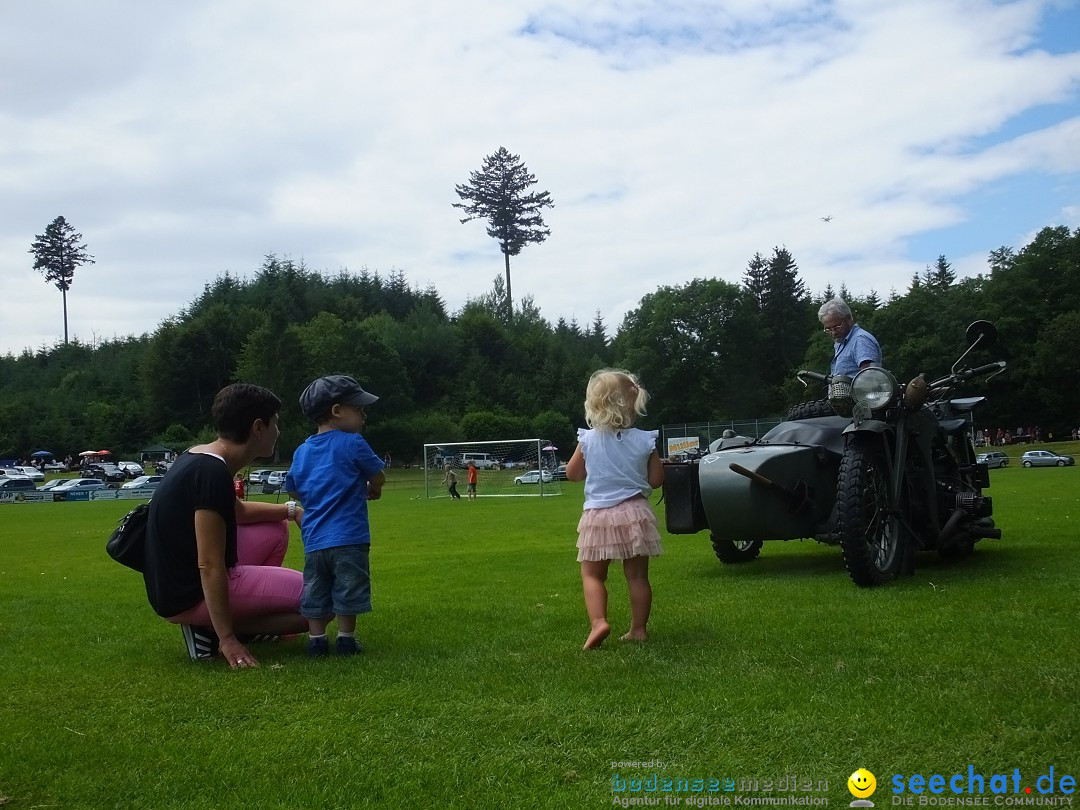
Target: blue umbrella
(42, 454)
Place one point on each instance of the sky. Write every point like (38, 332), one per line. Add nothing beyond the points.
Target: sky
(676, 137)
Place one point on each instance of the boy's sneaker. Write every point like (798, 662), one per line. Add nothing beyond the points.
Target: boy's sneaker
(201, 642)
(318, 647)
(345, 645)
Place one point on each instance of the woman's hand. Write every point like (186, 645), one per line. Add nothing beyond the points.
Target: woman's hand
(236, 653)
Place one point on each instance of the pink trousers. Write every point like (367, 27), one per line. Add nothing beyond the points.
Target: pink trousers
(258, 585)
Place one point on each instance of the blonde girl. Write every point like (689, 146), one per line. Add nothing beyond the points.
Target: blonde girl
(620, 467)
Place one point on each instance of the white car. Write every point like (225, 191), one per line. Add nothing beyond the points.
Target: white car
(133, 468)
(277, 478)
(143, 482)
(80, 484)
(33, 473)
(258, 476)
(533, 477)
(12, 472)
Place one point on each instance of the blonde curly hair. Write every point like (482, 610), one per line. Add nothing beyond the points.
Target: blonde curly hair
(614, 399)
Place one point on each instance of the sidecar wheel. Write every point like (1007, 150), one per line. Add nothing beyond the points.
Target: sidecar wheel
(731, 551)
(869, 536)
(811, 410)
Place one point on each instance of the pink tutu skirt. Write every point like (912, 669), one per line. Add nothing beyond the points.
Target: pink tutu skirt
(619, 532)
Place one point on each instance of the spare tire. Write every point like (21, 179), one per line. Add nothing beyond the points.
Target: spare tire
(811, 410)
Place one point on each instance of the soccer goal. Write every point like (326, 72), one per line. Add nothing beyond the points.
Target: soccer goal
(516, 467)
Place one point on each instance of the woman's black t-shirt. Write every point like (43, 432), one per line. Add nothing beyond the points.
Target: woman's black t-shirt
(196, 481)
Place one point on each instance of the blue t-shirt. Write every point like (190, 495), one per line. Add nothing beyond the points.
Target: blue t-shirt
(330, 474)
(854, 350)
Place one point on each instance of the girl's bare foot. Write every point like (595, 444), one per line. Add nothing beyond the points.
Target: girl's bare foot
(635, 635)
(600, 631)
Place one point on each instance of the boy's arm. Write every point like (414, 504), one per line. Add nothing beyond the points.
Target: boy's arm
(375, 486)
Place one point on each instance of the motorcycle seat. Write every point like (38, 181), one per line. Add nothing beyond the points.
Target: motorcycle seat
(965, 403)
(953, 425)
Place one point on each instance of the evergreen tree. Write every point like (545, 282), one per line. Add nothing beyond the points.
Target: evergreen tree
(756, 280)
(942, 275)
(497, 194)
(57, 253)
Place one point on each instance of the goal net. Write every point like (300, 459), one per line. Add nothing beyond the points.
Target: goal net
(516, 467)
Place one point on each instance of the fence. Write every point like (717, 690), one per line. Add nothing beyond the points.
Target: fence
(678, 437)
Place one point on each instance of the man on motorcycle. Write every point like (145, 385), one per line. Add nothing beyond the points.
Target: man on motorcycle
(855, 347)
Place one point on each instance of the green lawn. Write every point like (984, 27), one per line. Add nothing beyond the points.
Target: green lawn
(474, 691)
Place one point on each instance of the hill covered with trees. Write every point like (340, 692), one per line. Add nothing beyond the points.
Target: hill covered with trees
(707, 350)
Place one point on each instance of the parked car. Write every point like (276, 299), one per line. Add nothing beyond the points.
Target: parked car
(143, 482)
(50, 485)
(11, 472)
(533, 477)
(560, 472)
(277, 478)
(132, 469)
(107, 472)
(993, 459)
(33, 473)
(55, 466)
(10, 484)
(1045, 458)
(258, 476)
(80, 485)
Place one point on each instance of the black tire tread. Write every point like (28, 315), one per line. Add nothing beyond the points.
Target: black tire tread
(727, 552)
(811, 410)
(851, 483)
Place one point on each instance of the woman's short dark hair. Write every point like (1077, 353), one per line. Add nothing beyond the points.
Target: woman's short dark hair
(237, 406)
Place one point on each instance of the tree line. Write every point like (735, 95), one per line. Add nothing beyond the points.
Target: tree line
(708, 349)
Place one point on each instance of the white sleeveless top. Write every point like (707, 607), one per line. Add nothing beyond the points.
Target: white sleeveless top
(616, 464)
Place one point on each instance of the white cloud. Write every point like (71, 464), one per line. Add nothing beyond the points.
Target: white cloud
(677, 138)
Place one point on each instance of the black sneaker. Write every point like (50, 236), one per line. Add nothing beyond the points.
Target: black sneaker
(345, 645)
(318, 647)
(257, 638)
(202, 642)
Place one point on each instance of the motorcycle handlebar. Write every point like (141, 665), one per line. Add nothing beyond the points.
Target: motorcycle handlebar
(813, 375)
(967, 373)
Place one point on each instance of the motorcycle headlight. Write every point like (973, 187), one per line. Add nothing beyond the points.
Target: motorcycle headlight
(874, 387)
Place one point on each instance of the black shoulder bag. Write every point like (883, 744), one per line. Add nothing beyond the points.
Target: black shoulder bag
(127, 543)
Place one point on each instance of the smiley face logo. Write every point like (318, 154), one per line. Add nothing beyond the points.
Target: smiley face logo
(861, 783)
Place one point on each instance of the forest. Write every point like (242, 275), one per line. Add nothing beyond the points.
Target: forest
(706, 350)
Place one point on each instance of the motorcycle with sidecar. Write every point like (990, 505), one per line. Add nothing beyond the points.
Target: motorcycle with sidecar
(881, 469)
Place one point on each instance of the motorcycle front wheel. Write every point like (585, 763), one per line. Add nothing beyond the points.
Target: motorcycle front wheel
(731, 551)
(869, 536)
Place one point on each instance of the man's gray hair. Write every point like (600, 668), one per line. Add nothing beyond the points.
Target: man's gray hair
(837, 306)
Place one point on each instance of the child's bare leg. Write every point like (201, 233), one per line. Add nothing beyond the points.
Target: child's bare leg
(636, 570)
(593, 574)
(346, 624)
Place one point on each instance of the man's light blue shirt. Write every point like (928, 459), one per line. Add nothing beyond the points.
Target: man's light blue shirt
(854, 350)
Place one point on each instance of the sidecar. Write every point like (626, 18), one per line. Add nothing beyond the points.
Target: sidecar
(779, 487)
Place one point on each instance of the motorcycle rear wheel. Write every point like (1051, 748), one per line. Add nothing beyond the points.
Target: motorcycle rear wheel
(870, 537)
(732, 551)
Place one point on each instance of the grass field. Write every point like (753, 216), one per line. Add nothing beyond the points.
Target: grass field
(474, 691)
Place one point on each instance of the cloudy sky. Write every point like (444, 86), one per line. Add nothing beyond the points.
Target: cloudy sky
(676, 137)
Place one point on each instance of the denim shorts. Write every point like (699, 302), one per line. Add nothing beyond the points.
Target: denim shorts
(336, 580)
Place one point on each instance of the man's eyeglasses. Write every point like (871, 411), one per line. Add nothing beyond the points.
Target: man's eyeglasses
(835, 328)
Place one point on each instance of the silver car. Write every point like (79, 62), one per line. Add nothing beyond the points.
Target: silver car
(1044, 458)
(993, 459)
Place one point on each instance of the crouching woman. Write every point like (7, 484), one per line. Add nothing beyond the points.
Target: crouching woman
(213, 563)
